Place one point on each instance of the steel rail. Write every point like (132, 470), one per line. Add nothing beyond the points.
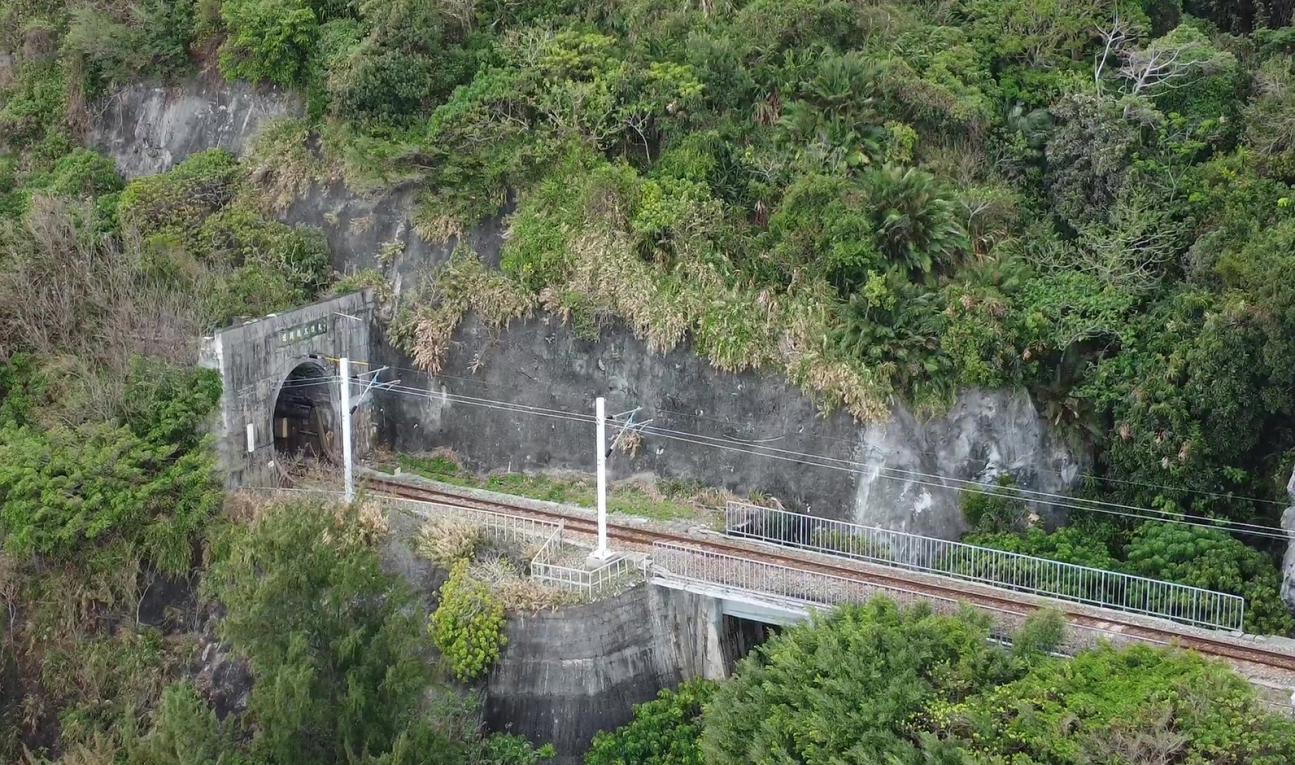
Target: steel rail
(981, 597)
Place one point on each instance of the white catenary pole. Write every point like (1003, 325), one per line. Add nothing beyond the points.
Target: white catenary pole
(600, 415)
(345, 369)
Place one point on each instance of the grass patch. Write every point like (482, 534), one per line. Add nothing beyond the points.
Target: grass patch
(658, 500)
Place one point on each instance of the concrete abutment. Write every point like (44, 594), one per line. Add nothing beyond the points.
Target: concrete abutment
(568, 674)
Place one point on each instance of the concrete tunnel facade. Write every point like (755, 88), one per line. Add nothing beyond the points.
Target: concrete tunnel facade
(279, 375)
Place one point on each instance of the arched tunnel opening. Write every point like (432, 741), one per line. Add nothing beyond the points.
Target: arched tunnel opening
(303, 416)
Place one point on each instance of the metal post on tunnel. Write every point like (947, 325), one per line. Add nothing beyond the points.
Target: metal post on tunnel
(600, 417)
(344, 368)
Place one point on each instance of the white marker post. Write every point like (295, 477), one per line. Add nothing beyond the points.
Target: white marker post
(251, 438)
(344, 365)
(600, 415)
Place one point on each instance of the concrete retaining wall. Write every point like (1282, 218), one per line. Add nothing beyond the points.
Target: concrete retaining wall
(566, 675)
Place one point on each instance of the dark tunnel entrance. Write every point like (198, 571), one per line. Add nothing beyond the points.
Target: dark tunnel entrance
(303, 416)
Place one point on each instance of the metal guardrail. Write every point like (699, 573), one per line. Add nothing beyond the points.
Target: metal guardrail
(504, 526)
(590, 582)
(774, 582)
(517, 528)
(984, 565)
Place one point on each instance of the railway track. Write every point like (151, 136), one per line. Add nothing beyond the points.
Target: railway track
(1226, 647)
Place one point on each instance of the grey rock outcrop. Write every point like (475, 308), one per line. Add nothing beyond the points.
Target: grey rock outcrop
(905, 474)
(148, 129)
(222, 677)
(1288, 569)
(911, 469)
(916, 471)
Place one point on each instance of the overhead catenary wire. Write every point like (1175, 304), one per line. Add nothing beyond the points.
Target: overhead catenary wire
(840, 465)
(823, 437)
(947, 483)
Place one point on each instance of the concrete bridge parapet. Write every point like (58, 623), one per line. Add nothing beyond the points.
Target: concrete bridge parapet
(292, 355)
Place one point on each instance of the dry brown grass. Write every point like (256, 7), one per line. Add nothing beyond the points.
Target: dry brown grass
(734, 326)
(445, 541)
(463, 284)
(515, 588)
(67, 292)
(285, 162)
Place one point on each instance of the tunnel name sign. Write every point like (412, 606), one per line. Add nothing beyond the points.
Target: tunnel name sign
(301, 332)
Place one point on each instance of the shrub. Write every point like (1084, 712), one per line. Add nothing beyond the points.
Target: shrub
(334, 646)
(445, 542)
(374, 83)
(468, 625)
(69, 492)
(182, 198)
(1214, 561)
(851, 683)
(823, 224)
(1071, 544)
(84, 173)
(914, 218)
(996, 511)
(269, 40)
(890, 325)
(240, 236)
(665, 731)
(1135, 704)
(185, 731)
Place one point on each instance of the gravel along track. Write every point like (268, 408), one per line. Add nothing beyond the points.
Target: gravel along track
(1270, 666)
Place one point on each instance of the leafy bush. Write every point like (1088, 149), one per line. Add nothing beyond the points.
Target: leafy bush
(915, 219)
(84, 173)
(373, 83)
(1122, 705)
(849, 684)
(468, 625)
(335, 650)
(1214, 561)
(112, 46)
(1080, 545)
(186, 731)
(824, 225)
(182, 198)
(665, 731)
(70, 491)
(269, 40)
(997, 510)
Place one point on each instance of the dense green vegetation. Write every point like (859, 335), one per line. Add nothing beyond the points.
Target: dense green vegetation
(1089, 199)
(883, 200)
(876, 683)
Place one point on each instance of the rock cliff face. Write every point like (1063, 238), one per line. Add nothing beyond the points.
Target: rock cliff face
(904, 473)
(148, 129)
(915, 470)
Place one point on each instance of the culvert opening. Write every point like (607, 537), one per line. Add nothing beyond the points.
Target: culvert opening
(303, 416)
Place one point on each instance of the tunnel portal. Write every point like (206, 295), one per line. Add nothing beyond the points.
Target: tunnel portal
(304, 424)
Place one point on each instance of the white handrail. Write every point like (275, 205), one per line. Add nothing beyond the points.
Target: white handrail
(986, 565)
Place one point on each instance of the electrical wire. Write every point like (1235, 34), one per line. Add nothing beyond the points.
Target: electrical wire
(1010, 491)
(848, 466)
(852, 466)
(823, 437)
